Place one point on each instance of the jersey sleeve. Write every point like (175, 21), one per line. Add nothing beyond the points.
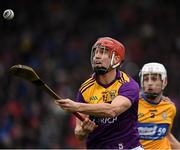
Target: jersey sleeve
(79, 97)
(173, 114)
(130, 90)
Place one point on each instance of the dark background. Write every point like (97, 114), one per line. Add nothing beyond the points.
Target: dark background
(55, 38)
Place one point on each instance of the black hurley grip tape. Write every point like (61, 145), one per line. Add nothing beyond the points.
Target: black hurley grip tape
(38, 82)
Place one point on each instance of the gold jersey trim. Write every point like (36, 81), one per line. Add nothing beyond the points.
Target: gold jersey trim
(86, 84)
(123, 78)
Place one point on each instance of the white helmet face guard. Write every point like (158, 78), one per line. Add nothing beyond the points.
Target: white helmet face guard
(153, 68)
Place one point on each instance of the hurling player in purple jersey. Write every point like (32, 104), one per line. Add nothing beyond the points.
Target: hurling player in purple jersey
(108, 101)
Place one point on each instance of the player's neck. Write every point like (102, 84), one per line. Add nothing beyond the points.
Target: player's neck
(108, 77)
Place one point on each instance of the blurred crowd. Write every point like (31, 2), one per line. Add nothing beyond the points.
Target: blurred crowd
(55, 38)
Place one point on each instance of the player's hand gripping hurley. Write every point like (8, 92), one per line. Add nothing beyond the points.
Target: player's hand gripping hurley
(27, 73)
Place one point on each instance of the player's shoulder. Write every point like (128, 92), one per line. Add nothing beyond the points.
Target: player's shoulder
(142, 99)
(123, 77)
(128, 83)
(169, 104)
(86, 84)
(167, 100)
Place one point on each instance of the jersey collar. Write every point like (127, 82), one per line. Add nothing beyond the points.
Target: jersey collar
(107, 85)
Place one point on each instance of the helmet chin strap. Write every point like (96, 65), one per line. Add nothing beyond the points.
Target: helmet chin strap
(112, 59)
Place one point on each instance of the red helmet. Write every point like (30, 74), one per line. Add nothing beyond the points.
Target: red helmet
(112, 45)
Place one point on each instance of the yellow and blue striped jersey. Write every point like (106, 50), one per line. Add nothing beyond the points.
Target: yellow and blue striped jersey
(155, 121)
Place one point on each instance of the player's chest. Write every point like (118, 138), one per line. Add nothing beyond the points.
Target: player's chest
(153, 114)
(99, 94)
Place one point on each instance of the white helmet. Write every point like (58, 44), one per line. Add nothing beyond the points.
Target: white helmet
(154, 68)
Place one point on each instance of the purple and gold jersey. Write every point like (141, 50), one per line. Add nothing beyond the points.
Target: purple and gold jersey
(113, 133)
(155, 121)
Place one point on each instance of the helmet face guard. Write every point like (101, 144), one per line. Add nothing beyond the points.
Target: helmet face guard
(153, 68)
(103, 50)
(114, 48)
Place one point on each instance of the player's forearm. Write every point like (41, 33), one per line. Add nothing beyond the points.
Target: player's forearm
(102, 110)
